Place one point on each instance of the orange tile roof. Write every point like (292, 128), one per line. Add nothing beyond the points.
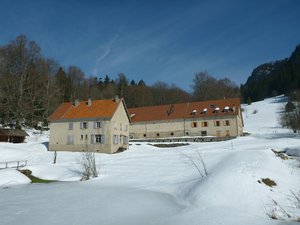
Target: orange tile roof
(98, 108)
(186, 110)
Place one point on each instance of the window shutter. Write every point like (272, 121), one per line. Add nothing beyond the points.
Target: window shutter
(102, 123)
(92, 139)
(81, 125)
(95, 124)
(102, 139)
(87, 125)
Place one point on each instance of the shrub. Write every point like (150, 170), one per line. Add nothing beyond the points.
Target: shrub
(198, 163)
(89, 168)
(268, 182)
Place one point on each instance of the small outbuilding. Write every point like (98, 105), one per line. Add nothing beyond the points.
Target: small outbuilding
(12, 135)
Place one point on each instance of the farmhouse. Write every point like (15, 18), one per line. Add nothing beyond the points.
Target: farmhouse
(12, 135)
(219, 118)
(96, 126)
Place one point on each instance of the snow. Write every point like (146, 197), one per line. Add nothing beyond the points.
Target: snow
(293, 151)
(12, 177)
(150, 185)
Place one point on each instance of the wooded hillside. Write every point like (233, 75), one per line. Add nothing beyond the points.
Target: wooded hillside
(32, 86)
(274, 78)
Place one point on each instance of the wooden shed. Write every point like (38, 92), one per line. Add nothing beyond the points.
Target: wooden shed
(12, 135)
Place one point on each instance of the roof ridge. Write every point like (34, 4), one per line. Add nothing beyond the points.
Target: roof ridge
(183, 103)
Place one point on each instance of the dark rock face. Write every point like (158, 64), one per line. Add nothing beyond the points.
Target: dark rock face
(273, 78)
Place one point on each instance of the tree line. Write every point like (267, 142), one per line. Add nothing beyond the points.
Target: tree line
(32, 86)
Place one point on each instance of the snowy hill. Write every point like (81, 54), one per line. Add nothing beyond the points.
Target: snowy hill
(160, 186)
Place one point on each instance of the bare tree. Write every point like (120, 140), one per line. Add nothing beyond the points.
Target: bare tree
(89, 167)
(206, 87)
(76, 80)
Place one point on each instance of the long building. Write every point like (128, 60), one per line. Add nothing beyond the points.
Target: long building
(219, 118)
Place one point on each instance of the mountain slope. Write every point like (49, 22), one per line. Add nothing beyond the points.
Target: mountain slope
(274, 78)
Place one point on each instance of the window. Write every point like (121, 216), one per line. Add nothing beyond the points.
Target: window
(125, 140)
(70, 139)
(145, 135)
(83, 136)
(70, 126)
(98, 124)
(204, 124)
(97, 139)
(157, 134)
(172, 134)
(217, 123)
(226, 123)
(115, 139)
(194, 124)
(204, 133)
(83, 125)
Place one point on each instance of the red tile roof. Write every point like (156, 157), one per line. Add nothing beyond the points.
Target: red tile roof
(186, 110)
(98, 108)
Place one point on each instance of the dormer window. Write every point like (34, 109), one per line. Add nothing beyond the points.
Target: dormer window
(212, 106)
(217, 109)
(194, 112)
(227, 109)
(204, 111)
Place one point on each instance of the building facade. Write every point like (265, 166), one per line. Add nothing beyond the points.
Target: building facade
(94, 126)
(218, 118)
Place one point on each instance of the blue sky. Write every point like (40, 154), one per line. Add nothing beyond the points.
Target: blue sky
(157, 40)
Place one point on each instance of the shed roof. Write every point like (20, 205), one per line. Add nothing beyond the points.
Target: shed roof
(203, 109)
(13, 132)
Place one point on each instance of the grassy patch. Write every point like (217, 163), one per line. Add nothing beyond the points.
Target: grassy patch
(34, 179)
(169, 145)
(268, 182)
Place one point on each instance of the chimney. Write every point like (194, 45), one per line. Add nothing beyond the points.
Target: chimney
(89, 102)
(76, 102)
(116, 99)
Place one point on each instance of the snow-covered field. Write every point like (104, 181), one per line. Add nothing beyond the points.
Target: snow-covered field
(160, 186)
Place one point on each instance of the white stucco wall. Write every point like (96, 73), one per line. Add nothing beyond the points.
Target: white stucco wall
(59, 132)
(178, 128)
